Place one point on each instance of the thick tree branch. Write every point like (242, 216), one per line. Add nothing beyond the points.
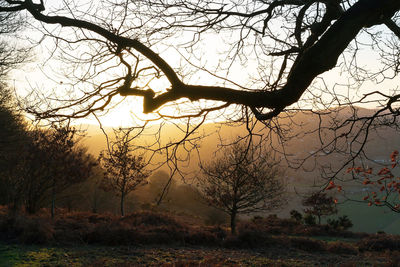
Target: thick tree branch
(119, 40)
(393, 27)
(315, 60)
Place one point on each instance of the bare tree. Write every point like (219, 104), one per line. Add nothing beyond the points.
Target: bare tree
(242, 180)
(124, 171)
(271, 58)
(11, 54)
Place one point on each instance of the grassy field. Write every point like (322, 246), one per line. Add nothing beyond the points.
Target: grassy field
(20, 255)
(160, 239)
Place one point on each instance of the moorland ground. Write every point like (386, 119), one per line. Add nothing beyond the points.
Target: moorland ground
(152, 238)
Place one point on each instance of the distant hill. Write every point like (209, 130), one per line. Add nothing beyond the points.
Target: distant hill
(305, 142)
(301, 127)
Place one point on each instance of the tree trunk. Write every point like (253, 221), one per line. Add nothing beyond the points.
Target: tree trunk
(31, 203)
(233, 222)
(122, 203)
(31, 207)
(319, 219)
(15, 206)
(53, 199)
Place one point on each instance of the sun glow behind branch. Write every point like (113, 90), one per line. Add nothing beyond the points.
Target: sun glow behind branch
(208, 57)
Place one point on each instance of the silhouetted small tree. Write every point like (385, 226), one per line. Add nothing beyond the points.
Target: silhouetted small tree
(309, 219)
(52, 163)
(320, 205)
(295, 215)
(13, 140)
(124, 171)
(242, 180)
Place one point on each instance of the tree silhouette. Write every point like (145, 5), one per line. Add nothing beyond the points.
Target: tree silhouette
(249, 62)
(242, 181)
(52, 162)
(320, 205)
(124, 171)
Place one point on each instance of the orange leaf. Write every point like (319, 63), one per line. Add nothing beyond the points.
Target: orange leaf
(370, 204)
(339, 188)
(335, 200)
(394, 155)
(366, 197)
(384, 171)
(367, 181)
(330, 187)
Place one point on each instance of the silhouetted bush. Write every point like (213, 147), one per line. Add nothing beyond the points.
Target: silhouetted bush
(345, 222)
(72, 229)
(342, 223)
(205, 236)
(26, 229)
(295, 215)
(333, 223)
(309, 219)
(250, 235)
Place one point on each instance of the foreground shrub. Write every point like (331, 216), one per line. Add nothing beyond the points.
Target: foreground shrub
(249, 236)
(307, 244)
(112, 233)
(26, 229)
(379, 242)
(139, 228)
(72, 229)
(210, 236)
(341, 248)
